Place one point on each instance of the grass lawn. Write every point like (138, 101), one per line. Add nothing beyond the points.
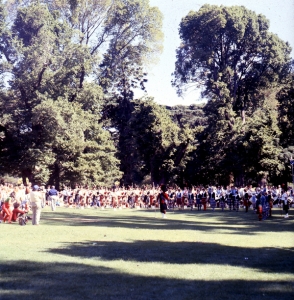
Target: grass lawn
(134, 254)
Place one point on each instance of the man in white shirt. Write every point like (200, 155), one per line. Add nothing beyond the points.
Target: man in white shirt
(36, 198)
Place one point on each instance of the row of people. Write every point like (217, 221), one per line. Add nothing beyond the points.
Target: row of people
(200, 198)
(197, 197)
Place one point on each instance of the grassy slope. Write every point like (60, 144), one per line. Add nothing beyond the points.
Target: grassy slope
(134, 254)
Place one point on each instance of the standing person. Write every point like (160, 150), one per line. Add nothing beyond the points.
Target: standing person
(36, 201)
(7, 210)
(228, 197)
(162, 198)
(185, 198)
(222, 201)
(198, 199)
(285, 203)
(179, 198)
(131, 200)
(204, 198)
(233, 196)
(171, 202)
(191, 199)
(263, 204)
(77, 198)
(27, 192)
(246, 200)
(253, 200)
(212, 201)
(53, 197)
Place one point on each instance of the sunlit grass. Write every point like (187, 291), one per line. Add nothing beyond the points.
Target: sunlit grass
(134, 254)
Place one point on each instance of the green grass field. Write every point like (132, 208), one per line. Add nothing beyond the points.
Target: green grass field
(134, 254)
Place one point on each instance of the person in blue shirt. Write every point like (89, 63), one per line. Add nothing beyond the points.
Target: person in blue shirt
(53, 197)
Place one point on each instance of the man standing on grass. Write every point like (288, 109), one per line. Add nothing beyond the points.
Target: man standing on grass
(36, 198)
(179, 198)
(162, 198)
(53, 196)
(191, 199)
(285, 203)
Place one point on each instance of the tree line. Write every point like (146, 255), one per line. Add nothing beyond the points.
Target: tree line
(68, 114)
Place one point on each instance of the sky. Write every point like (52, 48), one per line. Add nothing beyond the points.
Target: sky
(280, 14)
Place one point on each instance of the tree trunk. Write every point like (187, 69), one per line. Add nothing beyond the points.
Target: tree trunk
(243, 116)
(55, 177)
(27, 174)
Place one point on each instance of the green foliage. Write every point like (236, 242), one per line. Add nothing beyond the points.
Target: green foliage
(261, 143)
(50, 110)
(156, 145)
(138, 27)
(286, 112)
(229, 45)
(231, 55)
(61, 57)
(68, 71)
(192, 116)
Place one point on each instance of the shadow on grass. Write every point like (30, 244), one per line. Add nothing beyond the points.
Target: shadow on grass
(265, 259)
(52, 281)
(235, 222)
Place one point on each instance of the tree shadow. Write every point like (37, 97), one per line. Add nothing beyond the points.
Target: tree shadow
(268, 259)
(235, 222)
(68, 281)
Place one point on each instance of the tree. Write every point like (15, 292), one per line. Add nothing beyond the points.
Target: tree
(286, 112)
(72, 51)
(126, 35)
(231, 55)
(156, 145)
(260, 145)
(49, 123)
(191, 116)
(230, 48)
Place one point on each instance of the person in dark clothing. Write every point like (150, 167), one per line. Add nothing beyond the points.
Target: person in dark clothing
(162, 198)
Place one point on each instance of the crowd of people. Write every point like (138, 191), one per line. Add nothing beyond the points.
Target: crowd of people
(18, 201)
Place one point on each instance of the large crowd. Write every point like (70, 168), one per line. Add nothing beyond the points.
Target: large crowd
(19, 201)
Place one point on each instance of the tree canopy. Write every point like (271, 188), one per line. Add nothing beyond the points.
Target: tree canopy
(230, 54)
(55, 57)
(69, 70)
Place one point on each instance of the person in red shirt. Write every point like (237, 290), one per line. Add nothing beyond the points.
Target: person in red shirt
(7, 211)
(17, 212)
(162, 198)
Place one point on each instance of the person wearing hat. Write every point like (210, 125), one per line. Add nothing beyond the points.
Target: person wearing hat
(36, 198)
(53, 197)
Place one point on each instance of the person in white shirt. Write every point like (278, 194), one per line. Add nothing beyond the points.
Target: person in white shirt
(36, 198)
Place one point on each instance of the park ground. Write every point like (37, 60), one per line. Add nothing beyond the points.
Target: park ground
(135, 254)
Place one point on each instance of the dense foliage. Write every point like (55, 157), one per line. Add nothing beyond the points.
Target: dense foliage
(69, 69)
(60, 62)
(240, 66)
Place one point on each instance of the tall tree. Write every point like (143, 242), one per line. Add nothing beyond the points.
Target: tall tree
(49, 120)
(126, 35)
(230, 47)
(231, 55)
(286, 112)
